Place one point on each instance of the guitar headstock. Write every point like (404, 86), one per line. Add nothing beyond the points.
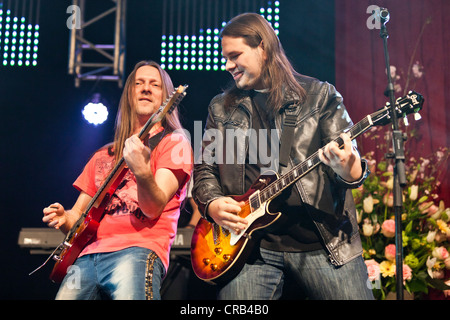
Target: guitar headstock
(411, 103)
(174, 99)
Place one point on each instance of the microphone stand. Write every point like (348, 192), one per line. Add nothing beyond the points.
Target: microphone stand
(399, 157)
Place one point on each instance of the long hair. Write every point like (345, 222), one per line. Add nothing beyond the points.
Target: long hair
(126, 115)
(278, 73)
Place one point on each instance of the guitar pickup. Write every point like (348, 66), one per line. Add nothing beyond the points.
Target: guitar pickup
(255, 201)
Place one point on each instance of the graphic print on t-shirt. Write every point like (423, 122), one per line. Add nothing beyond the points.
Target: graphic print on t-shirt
(124, 200)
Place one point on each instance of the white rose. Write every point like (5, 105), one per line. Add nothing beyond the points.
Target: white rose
(367, 229)
(368, 204)
(414, 192)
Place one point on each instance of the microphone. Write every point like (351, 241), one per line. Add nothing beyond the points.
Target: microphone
(384, 15)
(381, 14)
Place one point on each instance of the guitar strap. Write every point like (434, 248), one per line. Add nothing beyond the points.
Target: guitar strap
(153, 141)
(287, 134)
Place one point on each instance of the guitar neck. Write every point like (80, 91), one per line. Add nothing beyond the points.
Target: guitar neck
(300, 170)
(159, 115)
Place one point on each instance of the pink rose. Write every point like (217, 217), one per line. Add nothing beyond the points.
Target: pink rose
(389, 252)
(441, 253)
(388, 199)
(373, 269)
(407, 273)
(424, 206)
(432, 210)
(447, 264)
(388, 228)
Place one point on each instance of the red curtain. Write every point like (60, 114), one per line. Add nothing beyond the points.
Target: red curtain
(419, 49)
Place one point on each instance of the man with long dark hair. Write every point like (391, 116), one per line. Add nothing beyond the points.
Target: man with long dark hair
(129, 255)
(316, 240)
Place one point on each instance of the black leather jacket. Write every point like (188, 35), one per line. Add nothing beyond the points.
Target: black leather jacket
(327, 198)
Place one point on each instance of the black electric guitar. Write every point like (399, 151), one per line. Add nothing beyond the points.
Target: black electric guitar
(218, 254)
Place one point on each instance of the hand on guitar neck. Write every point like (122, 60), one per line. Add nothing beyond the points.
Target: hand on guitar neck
(344, 160)
(224, 211)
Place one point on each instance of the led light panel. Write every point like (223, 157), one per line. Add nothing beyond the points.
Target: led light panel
(19, 39)
(199, 48)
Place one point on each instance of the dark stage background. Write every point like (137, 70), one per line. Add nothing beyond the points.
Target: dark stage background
(45, 142)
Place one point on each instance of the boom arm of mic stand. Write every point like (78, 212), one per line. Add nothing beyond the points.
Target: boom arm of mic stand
(399, 170)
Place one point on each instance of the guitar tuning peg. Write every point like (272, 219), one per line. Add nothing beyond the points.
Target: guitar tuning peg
(405, 121)
(417, 116)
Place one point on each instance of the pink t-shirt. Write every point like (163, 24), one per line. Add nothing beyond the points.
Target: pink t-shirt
(124, 225)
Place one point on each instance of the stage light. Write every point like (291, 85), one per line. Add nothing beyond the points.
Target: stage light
(95, 112)
(19, 25)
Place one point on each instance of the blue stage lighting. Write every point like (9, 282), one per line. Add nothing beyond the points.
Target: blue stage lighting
(95, 112)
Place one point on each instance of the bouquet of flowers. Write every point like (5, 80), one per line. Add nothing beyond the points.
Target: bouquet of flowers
(425, 225)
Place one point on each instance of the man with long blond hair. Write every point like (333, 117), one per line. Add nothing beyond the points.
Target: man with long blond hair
(316, 240)
(129, 255)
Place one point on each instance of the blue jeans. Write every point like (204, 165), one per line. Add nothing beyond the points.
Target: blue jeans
(131, 274)
(263, 277)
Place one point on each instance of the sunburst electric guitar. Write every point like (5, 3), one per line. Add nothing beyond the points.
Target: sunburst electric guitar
(218, 255)
(86, 227)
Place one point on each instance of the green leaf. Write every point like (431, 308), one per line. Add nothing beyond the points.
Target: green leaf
(408, 228)
(417, 285)
(438, 284)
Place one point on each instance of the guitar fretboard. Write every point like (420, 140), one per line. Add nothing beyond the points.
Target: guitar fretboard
(297, 172)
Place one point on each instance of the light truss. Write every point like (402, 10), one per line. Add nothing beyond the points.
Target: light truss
(90, 60)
